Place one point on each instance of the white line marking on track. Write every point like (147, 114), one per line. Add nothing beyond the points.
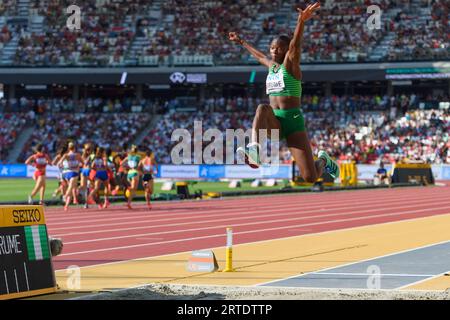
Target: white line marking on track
(261, 242)
(356, 262)
(55, 216)
(245, 216)
(372, 274)
(219, 211)
(242, 232)
(421, 281)
(399, 212)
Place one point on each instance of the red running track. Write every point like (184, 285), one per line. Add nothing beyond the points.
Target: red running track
(102, 236)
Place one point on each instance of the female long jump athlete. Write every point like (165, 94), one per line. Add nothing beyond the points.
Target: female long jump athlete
(283, 85)
(39, 160)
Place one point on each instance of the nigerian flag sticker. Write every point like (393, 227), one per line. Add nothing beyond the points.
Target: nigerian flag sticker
(37, 242)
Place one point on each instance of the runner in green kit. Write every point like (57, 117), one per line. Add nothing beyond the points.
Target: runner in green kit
(283, 85)
(132, 162)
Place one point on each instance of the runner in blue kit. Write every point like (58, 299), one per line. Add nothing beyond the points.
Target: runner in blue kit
(72, 162)
(99, 164)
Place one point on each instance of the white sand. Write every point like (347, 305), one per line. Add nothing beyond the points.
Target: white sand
(189, 292)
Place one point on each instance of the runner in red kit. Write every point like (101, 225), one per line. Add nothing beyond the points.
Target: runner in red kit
(39, 160)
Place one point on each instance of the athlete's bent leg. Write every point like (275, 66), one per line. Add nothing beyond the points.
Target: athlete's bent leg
(300, 147)
(264, 119)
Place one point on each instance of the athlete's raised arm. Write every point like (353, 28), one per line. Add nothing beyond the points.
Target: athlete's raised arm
(294, 54)
(29, 160)
(261, 57)
(60, 160)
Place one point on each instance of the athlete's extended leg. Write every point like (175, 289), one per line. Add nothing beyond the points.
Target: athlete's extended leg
(94, 192)
(43, 186)
(39, 186)
(300, 147)
(149, 192)
(133, 188)
(265, 119)
(107, 190)
(298, 144)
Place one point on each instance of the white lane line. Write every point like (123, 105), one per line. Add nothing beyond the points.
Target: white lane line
(277, 220)
(373, 274)
(259, 242)
(357, 262)
(247, 232)
(136, 218)
(247, 215)
(424, 280)
(83, 216)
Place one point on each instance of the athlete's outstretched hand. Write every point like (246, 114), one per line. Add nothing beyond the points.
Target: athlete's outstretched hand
(233, 36)
(305, 15)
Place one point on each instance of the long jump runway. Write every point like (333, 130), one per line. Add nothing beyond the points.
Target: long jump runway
(323, 240)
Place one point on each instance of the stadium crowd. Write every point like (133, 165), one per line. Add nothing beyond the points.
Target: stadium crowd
(105, 130)
(417, 39)
(369, 137)
(43, 105)
(160, 138)
(8, 7)
(104, 38)
(361, 127)
(11, 124)
(195, 28)
(199, 29)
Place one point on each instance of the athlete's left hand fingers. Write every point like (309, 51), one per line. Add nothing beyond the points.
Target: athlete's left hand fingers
(315, 6)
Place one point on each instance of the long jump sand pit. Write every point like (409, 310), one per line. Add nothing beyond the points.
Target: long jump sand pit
(189, 292)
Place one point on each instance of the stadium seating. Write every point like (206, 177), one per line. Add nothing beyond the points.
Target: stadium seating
(10, 126)
(423, 36)
(348, 127)
(105, 130)
(159, 138)
(137, 32)
(363, 128)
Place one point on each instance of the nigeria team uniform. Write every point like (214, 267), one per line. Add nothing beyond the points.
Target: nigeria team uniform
(280, 83)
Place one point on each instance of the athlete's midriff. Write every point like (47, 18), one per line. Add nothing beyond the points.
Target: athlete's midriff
(284, 103)
(147, 166)
(40, 162)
